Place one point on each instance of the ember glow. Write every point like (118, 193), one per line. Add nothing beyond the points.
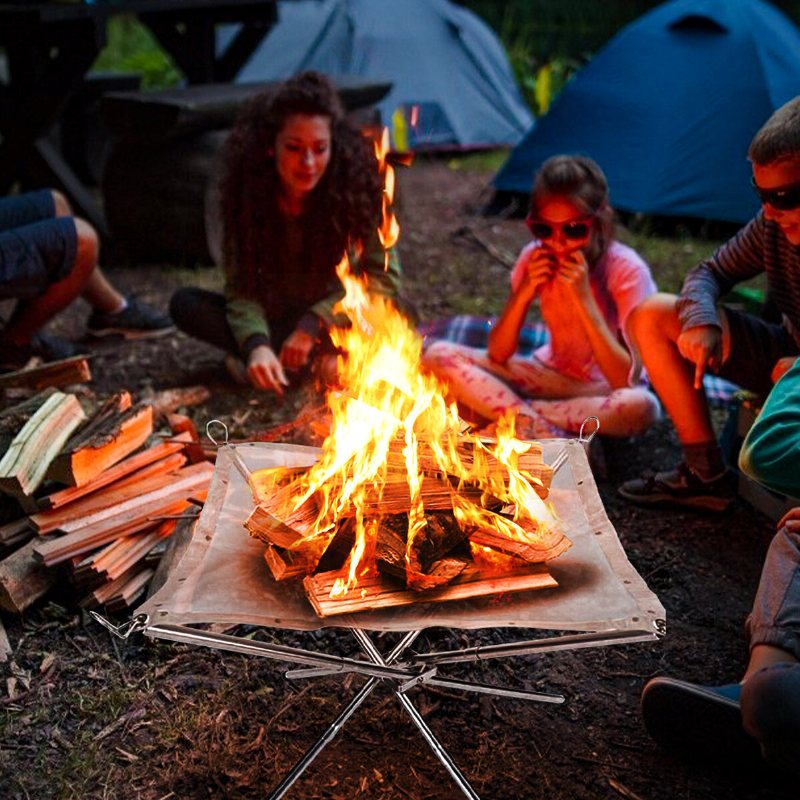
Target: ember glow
(391, 418)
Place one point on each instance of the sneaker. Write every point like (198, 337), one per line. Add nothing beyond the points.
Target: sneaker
(698, 722)
(681, 487)
(135, 321)
(41, 347)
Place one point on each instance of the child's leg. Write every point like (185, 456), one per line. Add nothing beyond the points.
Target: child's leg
(63, 249)
(623, 412)
(771, 687)
(655, 327)
(201, 314)
(468, 373)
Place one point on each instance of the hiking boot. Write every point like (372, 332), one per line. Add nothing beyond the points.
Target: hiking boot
(41, 346)
(702, 723)
(135, 321)
(681, 487)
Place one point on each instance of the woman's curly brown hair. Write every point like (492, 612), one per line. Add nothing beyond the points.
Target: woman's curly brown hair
(344, 207)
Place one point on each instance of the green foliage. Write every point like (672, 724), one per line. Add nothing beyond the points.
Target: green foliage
(132, 48)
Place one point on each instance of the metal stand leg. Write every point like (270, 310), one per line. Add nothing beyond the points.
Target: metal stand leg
(331, 733)
(435, 745)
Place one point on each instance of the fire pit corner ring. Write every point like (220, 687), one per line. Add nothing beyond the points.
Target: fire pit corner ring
(586, 439)
(126, 629)
(208, 431)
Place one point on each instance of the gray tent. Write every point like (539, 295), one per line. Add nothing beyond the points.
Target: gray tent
(452, 85)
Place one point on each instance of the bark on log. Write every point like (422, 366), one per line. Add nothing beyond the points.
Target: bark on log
(107, 439)
(23, 467)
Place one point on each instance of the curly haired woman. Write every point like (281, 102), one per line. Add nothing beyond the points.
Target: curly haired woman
(300, 187)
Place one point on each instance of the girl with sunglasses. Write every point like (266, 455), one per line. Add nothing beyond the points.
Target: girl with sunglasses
(587, 284)
(300, 186)
(682, 337)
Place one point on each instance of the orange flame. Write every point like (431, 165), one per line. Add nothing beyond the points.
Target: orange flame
(388, 405)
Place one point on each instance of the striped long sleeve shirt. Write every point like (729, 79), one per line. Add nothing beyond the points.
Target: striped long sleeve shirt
(758, 247)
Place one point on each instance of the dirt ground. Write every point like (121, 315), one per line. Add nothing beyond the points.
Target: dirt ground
(94, 718)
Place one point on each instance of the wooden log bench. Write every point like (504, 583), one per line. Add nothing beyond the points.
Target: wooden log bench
(162, 167)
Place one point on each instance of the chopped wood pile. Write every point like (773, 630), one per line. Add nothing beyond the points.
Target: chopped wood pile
(453, 557)
(90, 490)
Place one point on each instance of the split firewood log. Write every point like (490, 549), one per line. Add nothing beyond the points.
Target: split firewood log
(114, 432)
(25, 462)
(57, 374)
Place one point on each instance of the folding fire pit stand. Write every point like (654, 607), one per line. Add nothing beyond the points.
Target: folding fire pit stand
(222, 578)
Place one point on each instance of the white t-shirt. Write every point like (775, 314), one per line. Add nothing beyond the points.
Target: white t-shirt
(620, 280)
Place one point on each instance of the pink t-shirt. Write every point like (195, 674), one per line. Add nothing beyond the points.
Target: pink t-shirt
(620, 280)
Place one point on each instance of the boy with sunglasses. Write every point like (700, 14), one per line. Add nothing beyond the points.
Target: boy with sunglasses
(680, 338)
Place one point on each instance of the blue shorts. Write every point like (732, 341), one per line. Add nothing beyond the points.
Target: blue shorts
(756, 346)
(37, 249)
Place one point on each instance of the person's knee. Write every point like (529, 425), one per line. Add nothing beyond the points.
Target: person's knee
(436, 353)
(61, 205)
(88, 246)
(652, 316)
(643, 409)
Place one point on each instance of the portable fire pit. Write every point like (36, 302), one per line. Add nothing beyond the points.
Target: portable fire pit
(592, 596)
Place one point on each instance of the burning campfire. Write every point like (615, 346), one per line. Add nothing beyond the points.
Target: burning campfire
(404, 504)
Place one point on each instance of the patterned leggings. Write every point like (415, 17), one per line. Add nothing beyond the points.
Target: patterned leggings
(532, 388)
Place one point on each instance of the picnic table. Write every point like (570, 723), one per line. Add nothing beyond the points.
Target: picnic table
(51, 46)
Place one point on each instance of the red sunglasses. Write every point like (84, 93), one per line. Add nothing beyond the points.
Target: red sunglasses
(574, 230)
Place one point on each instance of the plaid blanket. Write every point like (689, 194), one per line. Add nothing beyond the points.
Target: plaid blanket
(474, 332)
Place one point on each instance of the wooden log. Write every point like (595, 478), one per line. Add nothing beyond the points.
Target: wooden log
(23, 467)
(287, 564)
(167, 401)
(5, 645)
(180, 423)
(110, 502)
(378, 591)
(57, 374)
(440, 535)
(130, 592)
(14, 418)
(136, 515)
(13, 532)
(131, 466)
(85, 540)
(174, 549)
(24, 579)
(116, 436)
(533, 550)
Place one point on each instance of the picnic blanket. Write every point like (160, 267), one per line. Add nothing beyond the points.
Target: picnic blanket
(473, 331)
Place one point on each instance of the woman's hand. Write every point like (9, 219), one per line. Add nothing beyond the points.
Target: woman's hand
(265, 371)
(539, 270)
(297, 349)
(573, 272)
(702, 345)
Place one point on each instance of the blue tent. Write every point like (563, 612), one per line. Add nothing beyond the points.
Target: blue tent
(452, 85)
(668, 108)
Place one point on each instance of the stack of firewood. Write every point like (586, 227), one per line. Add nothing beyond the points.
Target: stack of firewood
(96, 488)
(447, 559)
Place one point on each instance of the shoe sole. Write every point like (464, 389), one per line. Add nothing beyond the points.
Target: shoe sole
(715, 504)
(696, 723)
(104, 333)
